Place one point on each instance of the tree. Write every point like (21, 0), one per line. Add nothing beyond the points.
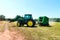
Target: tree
(2, 17)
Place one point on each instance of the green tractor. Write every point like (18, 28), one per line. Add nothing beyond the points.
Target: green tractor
(27, 19)
(43, 21)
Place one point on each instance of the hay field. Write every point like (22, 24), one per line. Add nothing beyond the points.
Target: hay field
(42, 32)
(39, 32)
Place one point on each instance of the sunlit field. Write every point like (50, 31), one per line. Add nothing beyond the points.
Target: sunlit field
(42, 32)
(51, 32)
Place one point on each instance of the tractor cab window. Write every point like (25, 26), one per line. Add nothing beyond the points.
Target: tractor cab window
(28, 17)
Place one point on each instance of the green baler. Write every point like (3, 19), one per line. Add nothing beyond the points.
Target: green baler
(43, 21)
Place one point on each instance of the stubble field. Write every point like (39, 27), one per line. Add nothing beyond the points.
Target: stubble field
(29, 33)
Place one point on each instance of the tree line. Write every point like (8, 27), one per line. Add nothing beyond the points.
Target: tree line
(54, 19)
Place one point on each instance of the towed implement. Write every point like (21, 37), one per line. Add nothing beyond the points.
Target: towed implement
(43, 21)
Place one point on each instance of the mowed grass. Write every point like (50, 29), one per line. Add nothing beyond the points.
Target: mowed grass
(42, 32)
(39, 32)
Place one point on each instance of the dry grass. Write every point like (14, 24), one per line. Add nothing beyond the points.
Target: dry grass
(39, 33)
(42, 33)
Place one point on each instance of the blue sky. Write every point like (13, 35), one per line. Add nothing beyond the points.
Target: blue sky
(49, 8)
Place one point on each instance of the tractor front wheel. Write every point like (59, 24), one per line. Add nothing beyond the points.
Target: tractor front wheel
(18, 24)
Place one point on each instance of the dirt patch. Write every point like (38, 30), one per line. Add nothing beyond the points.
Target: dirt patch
(11, 35)
(8, 34)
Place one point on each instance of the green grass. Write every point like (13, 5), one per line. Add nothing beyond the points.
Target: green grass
(42, 33)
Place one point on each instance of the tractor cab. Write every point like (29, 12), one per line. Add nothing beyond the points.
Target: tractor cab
(28, 16)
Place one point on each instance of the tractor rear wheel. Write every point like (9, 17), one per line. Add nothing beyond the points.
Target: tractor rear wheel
(30, 23)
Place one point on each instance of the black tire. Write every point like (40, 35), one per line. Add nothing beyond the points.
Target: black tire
(47, 24)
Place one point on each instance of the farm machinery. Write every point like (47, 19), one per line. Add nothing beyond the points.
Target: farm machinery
(43, 21)
(29, 21)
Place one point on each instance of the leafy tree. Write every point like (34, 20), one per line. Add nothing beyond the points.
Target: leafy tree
(2, 17)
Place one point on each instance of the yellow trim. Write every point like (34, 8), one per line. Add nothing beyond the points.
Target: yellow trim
(30, 23)
(18, 24)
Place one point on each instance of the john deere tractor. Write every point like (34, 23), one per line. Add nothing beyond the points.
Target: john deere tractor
(43, 21)
(27, 19)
